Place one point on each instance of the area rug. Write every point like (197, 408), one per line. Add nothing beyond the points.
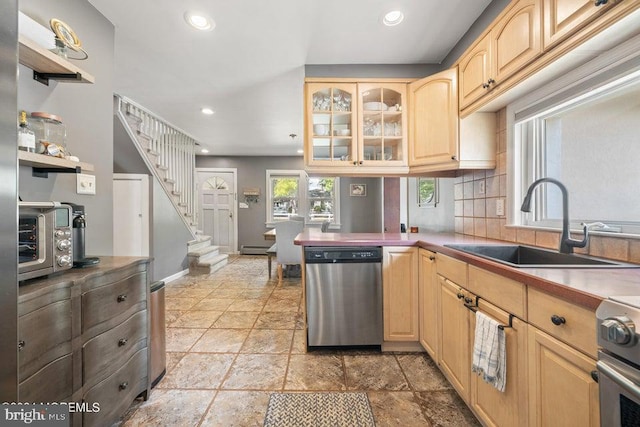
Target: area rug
(319, 410)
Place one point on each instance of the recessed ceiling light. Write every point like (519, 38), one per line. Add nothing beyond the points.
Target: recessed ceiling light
(207, 111)
(393, 18)
(199, 21)
(300, 151)
(204, 151)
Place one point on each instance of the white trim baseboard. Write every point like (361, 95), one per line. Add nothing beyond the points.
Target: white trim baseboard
(175, 276)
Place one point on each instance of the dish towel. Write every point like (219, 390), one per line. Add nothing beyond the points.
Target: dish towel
(489, 352)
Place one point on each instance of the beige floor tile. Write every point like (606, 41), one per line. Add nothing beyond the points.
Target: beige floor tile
(227, 293)
(213, 304)
(198, 371)
(315, 372)
(196, 319)
(268, 341)
(299, 343)
(255, 304)
(170, 292)
(237, 409)
(221, 341)
(170, 316)
(446, 409)
(277, 320)
(257, 293)
(178, 303)
(422, 372)
(182, 339)
(199, 293)
(172, 359)
(374, 372)
(172, 408)
(257, 372)
(236, 319)
(392, 408)
(281, 305)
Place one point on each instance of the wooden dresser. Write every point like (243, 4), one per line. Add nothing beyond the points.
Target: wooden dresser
(84, 337)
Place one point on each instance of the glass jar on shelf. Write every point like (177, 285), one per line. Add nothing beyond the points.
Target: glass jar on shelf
(51, 134)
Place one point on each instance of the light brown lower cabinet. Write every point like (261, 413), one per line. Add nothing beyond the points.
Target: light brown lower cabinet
(400, 294)
(428, 306)
(562, 391)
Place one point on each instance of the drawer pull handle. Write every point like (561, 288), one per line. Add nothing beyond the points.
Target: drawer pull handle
(594, 376)
(21, 344)
(123, 386)
(468, 300)
(122, 341)
(558, 320)
(122, 298)
(432, 258)
(460, 295)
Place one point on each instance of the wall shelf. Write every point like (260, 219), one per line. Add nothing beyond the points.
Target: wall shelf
(43, 164)
(47, 65)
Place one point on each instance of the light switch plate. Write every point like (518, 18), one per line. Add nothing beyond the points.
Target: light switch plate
(85, 184)
(500, 207)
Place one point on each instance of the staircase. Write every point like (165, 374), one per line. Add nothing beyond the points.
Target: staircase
(204, 258)
(169, 154)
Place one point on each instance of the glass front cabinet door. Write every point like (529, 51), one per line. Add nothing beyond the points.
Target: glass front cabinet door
(331, 124)
(382, 124)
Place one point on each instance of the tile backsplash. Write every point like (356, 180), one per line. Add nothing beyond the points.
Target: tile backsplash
(476, 194)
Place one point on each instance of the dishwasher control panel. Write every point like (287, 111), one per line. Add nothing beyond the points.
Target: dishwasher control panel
(342, 254)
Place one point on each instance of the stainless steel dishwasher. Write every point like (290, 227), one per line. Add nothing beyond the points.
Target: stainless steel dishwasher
(343, 296)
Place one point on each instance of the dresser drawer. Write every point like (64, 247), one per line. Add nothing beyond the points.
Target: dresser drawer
(53, 383)
(452, 269)
(104, 354)
(576, 325)
(507, 294)
(116, 393)
(44, 335)
(106, 306)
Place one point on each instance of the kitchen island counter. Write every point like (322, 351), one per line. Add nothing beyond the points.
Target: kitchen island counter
(584, 286)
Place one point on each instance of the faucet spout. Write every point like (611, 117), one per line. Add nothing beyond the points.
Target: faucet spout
(566, 242)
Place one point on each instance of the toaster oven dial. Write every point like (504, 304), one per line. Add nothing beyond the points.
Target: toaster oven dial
(64, 261)
(618, 330)
(64, 245)
(63, 233)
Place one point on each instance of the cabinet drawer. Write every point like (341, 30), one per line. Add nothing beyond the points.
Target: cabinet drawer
(507, 294)
(452, 269)
(577, 324)
(116, 393)
(109, 305)
(104, 354)
(46, 336)
(53, 383)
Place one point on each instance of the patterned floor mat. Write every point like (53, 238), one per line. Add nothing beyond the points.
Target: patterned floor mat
(319, 409)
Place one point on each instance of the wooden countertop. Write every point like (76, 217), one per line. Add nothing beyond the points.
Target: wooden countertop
(584, 286)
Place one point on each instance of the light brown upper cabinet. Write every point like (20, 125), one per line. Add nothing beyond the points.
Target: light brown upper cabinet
(512, 42)
(562, 17)
(356, 127)
(439, 139)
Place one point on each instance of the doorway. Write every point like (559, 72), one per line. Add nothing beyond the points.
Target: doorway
(217, 207)
(130, 214)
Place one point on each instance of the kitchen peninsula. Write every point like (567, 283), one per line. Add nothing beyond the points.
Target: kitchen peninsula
(548, 315)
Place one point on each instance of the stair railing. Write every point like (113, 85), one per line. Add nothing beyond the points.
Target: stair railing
(168, 152)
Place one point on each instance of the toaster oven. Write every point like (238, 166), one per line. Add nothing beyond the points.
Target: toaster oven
(45, 242)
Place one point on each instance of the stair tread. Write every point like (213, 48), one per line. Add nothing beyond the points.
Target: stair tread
(202, 251)
(213, 261)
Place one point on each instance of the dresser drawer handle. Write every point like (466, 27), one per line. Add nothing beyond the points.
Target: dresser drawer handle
(122, 341)
(558, 320)
(123, 386)
(21, 344)
(122, 298)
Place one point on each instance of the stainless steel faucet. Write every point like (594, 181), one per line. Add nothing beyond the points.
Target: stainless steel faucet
(566, 242)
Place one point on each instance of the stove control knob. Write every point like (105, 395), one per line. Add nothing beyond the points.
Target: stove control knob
(618, 330)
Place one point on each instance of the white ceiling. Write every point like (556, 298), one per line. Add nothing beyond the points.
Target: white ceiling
(250, 68)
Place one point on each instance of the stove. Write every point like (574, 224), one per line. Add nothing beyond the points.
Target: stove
(618, 323)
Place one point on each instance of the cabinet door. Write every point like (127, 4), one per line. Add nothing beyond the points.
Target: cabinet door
(516, 39)
(455, 356)
(562, 17)
(382, 124)
(561, 389)
(331, 131)
(428, 305)
(508, 408)
(400, 294)
(434, 119)
(475, 71)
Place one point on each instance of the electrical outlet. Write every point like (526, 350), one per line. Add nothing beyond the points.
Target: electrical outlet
(85, 184)
(500, 207)
(481, 187)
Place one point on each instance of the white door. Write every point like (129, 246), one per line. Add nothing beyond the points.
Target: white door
(130, 215)
(217, 205)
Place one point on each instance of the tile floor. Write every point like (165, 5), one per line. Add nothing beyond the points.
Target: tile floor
(234, 336)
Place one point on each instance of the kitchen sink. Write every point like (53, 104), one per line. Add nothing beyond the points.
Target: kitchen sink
(529, 257)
